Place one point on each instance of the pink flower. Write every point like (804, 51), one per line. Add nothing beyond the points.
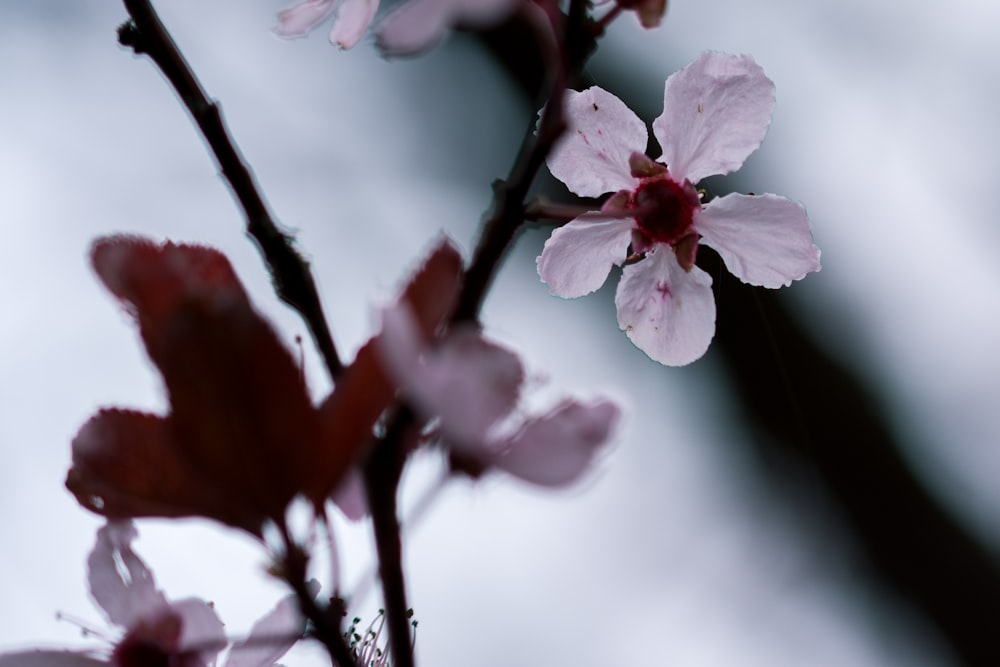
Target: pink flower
(473, 387)
(716, 112)
(187, 633)
(353, 19)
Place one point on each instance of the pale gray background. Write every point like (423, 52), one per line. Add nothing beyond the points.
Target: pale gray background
(671, 553)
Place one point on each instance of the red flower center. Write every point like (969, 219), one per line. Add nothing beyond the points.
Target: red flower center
(140, 652)
(664, 209)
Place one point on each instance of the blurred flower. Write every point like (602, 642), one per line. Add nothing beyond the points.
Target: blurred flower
(716, 112)
(365, 390)
(242, 437)
(411, 27)
(473, 387)
(187, 633)
(418, 25)
(353, 19)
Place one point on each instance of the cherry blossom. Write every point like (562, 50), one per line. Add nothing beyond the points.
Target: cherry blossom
(349, 26)
(473, 386)
(716, 112)
(186, 633)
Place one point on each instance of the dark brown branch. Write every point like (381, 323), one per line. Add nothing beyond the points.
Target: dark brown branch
(562, 57)
(325, 622)
(382, 474)
(293, 281)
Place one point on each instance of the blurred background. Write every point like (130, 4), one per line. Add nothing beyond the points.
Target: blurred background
(819, 490)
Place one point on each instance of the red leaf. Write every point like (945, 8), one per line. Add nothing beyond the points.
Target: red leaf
(242, 438)
(242, 433)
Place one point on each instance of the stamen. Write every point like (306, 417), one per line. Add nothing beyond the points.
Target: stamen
(86, 629)
(366, 649)
(302, 358)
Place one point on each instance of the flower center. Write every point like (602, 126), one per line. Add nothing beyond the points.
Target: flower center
(664, 209)
(139, 652)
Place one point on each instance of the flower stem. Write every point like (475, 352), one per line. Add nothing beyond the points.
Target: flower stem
(382, 474)
(324, 622)
(563, 53)
(145, 34)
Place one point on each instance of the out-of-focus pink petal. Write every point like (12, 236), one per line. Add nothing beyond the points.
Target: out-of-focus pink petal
(400, 345)
(466, 381)
(669, 313)
(50, 659)
(592, 157)
(352, 21)
(764, 240)
(129, 594)
(302, 18)
(418, 25)
(270, 637)
(578, 256)
(716, 112)
(350, 496)
(201, 630)
(556, 448)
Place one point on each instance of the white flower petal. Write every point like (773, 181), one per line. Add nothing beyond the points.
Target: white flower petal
(556, 448)
(578, 256)
(716, 112)
(764, 240)
(50, 659)
(352, 21)
(592, 157)
(271, 636)
(669, 313)
(302, 18)
(120, 582)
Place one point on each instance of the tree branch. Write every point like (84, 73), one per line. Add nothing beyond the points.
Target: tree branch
(561, 54)
(382, 474)
(293, 281)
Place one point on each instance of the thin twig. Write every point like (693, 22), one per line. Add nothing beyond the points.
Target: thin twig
(565, 52)
(293, 281)
(548, 212)
(382, 473)
(324, 621)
